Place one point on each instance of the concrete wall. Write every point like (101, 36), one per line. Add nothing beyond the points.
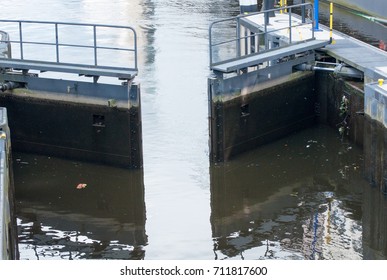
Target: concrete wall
(375, 154)
(374, 218)
(242, 119)
(330, 91)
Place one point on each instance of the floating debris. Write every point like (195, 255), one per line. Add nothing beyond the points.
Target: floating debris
(81, 186)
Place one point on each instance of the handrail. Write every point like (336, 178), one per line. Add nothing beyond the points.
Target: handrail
(57, 44)
(236, 21)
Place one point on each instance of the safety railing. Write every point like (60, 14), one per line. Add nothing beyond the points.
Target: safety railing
(230, 45)
(79, 44)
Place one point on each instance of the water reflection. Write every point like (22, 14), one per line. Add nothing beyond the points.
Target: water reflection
(57, 219)
(299, 198)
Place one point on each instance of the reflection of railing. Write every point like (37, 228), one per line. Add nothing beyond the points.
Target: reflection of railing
(60, 34)
(234, 45)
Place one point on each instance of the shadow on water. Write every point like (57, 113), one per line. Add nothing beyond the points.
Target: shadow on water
(298, 198)
(72, 210)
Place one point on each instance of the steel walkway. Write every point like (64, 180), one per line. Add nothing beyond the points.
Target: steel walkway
(368, 59)
(92, 71)
(274, 54)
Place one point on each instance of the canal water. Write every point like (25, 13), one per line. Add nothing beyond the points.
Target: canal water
(302, 197)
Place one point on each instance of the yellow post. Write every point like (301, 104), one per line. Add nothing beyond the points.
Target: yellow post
(281, 4)
(331, 22)
(285, 4)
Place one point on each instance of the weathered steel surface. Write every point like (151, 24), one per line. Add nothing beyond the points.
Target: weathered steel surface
(8, 231)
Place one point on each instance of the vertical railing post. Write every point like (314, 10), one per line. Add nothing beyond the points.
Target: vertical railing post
(331, 22)
(268, 5)
(238, 35)
(266, 15)
(303, 11)
(57, 43)
(281, 5)
(95, 44)
(316, 16)
(135, 48)
(21, 40)
(210, 43)
(246, 40)
(290, 25)
(313, 22)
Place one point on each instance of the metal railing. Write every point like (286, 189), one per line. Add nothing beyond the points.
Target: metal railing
(95, 33)
(232, 46)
